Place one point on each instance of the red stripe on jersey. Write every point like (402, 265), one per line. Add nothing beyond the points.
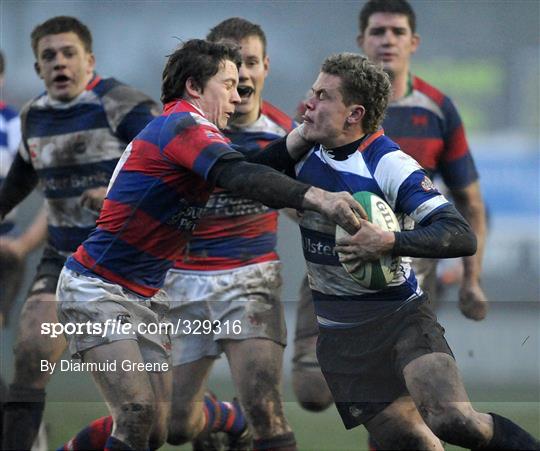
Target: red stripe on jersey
(278, 116)
(250, 226)
(220, 263)
(84, 259)
(427, 151)
(457, 145)
(93, 83)
(150, 235)
(432, 92)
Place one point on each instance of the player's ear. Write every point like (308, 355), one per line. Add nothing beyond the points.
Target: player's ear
(266, 64)
(415, 41)
(360, 40)
(356, 114)
(37, 69)
(193, 89)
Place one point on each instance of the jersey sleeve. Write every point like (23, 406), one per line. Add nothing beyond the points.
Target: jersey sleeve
(406, 186)
(128, 111)
(198, 145)
(457, 166)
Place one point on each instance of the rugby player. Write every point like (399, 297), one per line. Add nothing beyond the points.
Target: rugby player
(73, 135)
(382, 352)
(155, 197)
(427, 126)
(230, 272)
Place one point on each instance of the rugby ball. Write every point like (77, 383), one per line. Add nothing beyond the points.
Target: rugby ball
(378, 274)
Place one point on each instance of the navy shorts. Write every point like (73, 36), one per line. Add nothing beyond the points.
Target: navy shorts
(363, 366)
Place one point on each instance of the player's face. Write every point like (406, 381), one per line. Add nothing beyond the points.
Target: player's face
(64, 65)
(252, 74)
(220, 97)
(326, 115)
(388, 40)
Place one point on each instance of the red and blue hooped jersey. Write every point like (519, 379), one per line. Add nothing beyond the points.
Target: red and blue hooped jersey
(235, 231)
(427, 126)
(157, 193)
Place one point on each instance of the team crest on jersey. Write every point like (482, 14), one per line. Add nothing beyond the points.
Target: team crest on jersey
(427, 184)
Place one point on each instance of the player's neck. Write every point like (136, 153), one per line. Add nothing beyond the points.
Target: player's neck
(245, 120)
(401, 85)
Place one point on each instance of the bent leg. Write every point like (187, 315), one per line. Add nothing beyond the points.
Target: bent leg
(26, 396)
(129, 394)
(256, 366)
(400, 426)
(187, 404)
(309, 385)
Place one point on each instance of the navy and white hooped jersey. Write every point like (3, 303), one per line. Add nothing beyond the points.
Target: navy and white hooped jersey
(379, 166)
(74, 146)
(10, 137)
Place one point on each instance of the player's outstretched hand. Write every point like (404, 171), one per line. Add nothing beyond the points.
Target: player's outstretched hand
(92, 199)
(473, 302)
(367, 244)
(340, 207)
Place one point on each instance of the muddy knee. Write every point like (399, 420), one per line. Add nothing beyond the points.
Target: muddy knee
(311, 390)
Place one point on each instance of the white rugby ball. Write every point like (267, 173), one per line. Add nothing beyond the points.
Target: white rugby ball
(378, 274)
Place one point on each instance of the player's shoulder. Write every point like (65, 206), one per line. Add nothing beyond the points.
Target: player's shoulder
(278, 116)
(377, 146)
(7, 112)
(111, 89)
(435, 94)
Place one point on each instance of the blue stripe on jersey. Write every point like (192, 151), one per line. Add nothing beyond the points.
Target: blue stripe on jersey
(134, 122)
(52, 122)
(128, 262)
(328, 179)
(151, 134)
(319, 247)
(400, 121)
(71, 181)
(352, 308)
(460, 171)
(6, 227)
(3, 139)
(173, 125)
(104, 86)
(8, 112)
(67, 239)
(210, 154)
(378, 149)
(409, 198)
(250, 140)
(234, 247)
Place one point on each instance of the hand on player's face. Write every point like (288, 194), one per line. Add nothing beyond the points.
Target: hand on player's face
(388, 40)
(64, 65)
(369, 243)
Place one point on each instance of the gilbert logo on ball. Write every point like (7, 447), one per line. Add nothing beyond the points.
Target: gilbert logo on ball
(374, 275)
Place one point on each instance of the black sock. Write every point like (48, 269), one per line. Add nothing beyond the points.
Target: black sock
(508, 435)
(285, 442)
(23, 412)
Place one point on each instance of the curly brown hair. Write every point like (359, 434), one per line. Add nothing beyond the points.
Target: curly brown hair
(362, 82)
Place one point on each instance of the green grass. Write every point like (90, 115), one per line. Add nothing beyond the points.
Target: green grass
(314, 431)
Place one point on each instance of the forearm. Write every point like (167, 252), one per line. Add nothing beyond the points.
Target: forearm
(19, 182)
(469, 203)
(35, 235)
(263, 184)
(282, 154)
(446, 235)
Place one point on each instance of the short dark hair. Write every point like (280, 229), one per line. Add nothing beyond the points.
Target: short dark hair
(362, 82)
(2, 63)
(62, 24)
(198, 59)
(237, 28)
(386, 6)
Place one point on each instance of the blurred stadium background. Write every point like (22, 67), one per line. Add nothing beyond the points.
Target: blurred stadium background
(485, 55)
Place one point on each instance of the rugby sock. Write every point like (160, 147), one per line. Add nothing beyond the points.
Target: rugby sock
(223, 416)
(113, 444)
(93, 436)
(22, 416)
(508, 435)
(285, 442)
